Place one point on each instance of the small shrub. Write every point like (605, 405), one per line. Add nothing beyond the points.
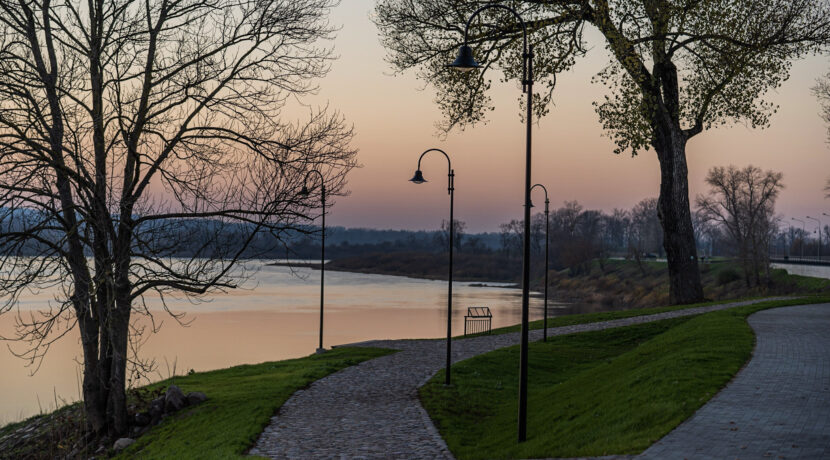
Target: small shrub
(728, 275)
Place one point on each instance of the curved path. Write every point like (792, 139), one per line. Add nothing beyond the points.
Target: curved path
(372, 410)
(778, 406)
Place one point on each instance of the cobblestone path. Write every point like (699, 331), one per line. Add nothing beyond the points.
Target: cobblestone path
(777, 407)
(372, 410)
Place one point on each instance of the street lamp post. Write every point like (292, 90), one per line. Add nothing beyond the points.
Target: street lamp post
(418, 178)
(306, 192)
(465, 62)
(819, 235)
(547, 259)
(803, 234)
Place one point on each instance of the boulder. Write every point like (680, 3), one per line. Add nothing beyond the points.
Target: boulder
(174, 399)
(122, 443)
(157, 407)
(196, 397)
(143, 419)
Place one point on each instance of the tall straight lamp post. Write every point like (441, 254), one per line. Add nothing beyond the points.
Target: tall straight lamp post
(466, 62)
(306, 192)
(803, 235)
(819, 235)
(547, 258)
(418, 178)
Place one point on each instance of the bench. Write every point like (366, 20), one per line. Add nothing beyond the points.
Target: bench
(477, 320)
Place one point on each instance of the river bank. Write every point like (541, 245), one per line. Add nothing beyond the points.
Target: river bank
(274, 316)
(611, 284)
(242, 399)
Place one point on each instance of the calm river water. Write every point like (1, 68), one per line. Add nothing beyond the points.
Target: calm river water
(275, 317)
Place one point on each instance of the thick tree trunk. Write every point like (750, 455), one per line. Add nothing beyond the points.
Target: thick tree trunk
(93, 389)
(117, 398)
(676, 218)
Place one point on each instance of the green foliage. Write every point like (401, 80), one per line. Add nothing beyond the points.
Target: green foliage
(727, 276)
(241, 401)
(701, 63)
(608, 392)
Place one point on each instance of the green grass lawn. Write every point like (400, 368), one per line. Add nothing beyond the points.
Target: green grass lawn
(582, 318)
(241, 401)
(608, 392)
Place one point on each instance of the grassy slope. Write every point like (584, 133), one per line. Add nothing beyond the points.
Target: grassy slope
(619, 283)
(607, 392)
(583, 318)
(242, 400)
(624, 283)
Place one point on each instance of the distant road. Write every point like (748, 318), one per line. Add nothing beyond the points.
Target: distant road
(816, 271)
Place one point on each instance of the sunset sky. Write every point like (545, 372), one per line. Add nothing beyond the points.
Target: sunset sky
(394, 117)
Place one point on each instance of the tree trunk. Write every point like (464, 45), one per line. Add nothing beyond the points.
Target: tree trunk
(675, 216)
(117, 398)
(93, 390)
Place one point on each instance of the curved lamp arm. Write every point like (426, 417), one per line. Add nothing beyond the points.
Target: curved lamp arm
(817, 221)
(547, 201)
(322, 179)
(515, 13)
(450, 172)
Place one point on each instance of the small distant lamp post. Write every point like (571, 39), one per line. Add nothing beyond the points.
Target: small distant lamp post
(306, 192)
(466, 62)
(418, 178)
(819, 235)
(803, 234)
(547, 258)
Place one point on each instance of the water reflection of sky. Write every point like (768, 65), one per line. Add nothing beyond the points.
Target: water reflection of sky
(279, 288)
(275, 316)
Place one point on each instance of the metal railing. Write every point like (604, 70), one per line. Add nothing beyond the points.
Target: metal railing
(478, 320)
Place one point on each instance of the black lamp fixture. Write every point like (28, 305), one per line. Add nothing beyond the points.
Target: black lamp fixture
(465, 62)
(803, 235)
(418, 178)
(818, 230)
(305, 192)
(547, 258)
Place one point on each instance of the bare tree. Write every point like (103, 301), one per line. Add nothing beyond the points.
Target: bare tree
(644, 236)
(442, 238)
(742, 201)
(677, 69)
(141, 151)
(510, 235)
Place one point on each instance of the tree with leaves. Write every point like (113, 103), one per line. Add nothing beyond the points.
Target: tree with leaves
(678, 67)
(131, 128)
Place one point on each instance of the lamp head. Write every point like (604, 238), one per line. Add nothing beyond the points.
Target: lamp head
(418, 178)
(465, 60)
(304, 191)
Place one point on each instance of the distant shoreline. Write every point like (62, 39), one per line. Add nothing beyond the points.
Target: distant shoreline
(333, 265)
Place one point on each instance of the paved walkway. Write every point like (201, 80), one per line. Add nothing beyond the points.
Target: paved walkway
(778, 406)
(372, 410)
